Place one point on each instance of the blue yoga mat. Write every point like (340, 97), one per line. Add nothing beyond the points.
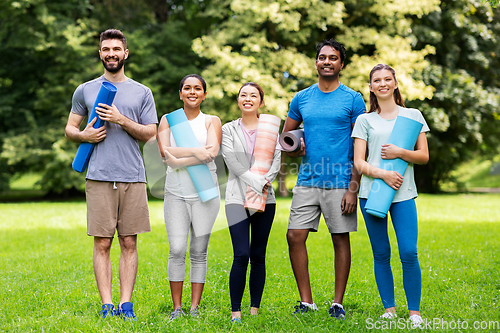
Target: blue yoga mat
(185, 138)
(404, 135)
(106, 96)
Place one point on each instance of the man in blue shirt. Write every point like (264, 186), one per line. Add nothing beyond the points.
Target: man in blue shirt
(327, 183)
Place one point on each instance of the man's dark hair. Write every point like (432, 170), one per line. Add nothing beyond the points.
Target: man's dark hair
(334, 44)
(203, 83)
(114, 34)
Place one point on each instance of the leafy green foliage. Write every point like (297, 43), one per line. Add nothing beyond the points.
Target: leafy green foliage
(493, 3)
(465, 71)
(50, 47)
(44, 56)
(445, 54)
(274, 44)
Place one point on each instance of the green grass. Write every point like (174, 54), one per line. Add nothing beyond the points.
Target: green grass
(23, 188)
(475, 173)
(48, 284)
(26, 182)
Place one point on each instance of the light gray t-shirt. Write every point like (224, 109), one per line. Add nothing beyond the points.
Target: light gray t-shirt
(376, 131)
(118, 157)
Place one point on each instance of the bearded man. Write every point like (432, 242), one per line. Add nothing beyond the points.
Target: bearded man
(116, 180)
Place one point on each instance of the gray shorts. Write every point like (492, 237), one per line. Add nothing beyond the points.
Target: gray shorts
(309, 202)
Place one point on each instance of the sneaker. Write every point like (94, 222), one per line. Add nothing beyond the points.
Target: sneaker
(236, 320)
(416, 321)
(194, 312)
(304, 307)
(337, 311)
(126, 311)
(107, 310)
(389, 315)
(176, 314)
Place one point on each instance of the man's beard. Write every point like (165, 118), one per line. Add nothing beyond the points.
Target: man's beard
(113, 69)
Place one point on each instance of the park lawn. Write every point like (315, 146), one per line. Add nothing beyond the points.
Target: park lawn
(473, 174)
(48, 284)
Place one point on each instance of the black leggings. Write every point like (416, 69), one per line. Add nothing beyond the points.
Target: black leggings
(239, 220)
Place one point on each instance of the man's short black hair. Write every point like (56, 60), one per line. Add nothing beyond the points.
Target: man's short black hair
(334, 44)
(114, 34)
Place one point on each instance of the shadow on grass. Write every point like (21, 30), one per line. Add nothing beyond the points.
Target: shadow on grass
(16, 196)
(71, 195)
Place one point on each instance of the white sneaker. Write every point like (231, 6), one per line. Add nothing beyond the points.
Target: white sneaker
(311, 306)
(389, 315)
(304, 307)
(416, 321)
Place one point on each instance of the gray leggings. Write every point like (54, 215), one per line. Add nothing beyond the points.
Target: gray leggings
(182, 216)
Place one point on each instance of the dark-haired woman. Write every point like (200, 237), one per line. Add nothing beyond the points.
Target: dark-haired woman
(371, 133)
(249, 230)
(185, 213)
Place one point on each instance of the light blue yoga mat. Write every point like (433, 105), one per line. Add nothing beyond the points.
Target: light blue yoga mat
(404, 135)
(184, 137)
(106, 95)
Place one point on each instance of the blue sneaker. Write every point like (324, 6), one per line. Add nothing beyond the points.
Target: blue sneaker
(177, 313)
(304, 307)
(337, 311)
(126, 311)
(236, 320)
(107, 310)
(194, 312)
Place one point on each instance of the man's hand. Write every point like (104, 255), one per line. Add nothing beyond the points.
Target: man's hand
(110, 113)
(91, 134)
(349, 202)
(300, 152)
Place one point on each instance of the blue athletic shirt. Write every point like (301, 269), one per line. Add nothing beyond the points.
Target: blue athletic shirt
(328, 119)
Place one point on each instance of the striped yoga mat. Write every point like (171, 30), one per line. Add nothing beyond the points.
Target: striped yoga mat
(265, 145)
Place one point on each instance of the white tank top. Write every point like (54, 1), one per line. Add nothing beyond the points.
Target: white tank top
(178, 181)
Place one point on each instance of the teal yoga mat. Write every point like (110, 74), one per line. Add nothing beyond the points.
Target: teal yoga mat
(106, 95)
(184, 137)
(404, 135)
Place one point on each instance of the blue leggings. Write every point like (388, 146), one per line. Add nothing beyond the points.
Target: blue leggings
(404, 220)
(242, 227)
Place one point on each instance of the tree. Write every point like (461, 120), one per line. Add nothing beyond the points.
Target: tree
(465, 71)
(50, 47)
(493, 3)
(445, 54)
(274, 43)
(44, 53)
